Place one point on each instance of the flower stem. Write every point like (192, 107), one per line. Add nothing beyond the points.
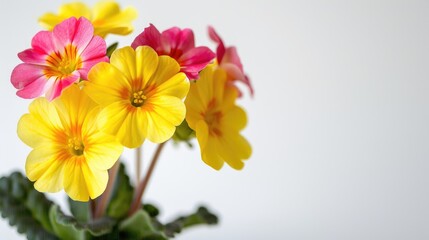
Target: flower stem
(135, 205)
(104, 199)
(138, 163)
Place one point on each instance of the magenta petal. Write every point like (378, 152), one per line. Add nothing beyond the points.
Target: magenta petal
(186, 40)
(32, 56)
(34, 89)
(220, 51)
(24, 74)
(169, 40)
(42, 42)
(59, 85)
(150, 37)
(196, 59)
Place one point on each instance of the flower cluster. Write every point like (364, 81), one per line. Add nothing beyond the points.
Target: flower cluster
(90, 104)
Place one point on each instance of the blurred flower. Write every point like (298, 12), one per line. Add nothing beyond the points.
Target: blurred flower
(57, 59)
(70, 151)
(141, 93)
(178, 44)
(229, 60)
(106, 16)
(217, 121)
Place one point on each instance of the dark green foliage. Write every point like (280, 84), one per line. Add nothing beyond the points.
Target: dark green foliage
(111, 49)
(38, 218)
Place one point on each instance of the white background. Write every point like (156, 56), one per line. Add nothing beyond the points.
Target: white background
(338, 124)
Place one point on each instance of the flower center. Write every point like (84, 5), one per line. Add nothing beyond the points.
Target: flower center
(61, 65)
(76, 146)
(138, 99)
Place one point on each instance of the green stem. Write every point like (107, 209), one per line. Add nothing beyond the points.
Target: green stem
(135, 205)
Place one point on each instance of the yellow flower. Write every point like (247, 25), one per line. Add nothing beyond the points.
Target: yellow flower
(70, 151)
(141, 94)
(106, 16)
(216, 120)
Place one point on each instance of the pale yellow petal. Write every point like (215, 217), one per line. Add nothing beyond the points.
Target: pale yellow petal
(96, 180)
(45, 166)
(50, 20)
(42, 124)
(172, 109)
(158, 128)
(75, 9)
(202, 133)
(112, 117)
(101, 151)
(132, 132)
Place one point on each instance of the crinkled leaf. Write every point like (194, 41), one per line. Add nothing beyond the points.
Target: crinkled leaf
(139, 226)
(202, 217)
(24, 207)
(122, 195)
(69, 225)
(63, 226)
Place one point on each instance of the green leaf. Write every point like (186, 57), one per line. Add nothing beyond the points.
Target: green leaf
(69, 226)
(65, 228)
(80, 210)
(24, 207)
(202, 217)
(122, 195)
(139, 226)
(111, 49)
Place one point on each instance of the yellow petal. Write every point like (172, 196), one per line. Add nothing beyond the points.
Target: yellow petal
(49, 20)
(132, 133)
(76, 9)
(167, 68)
(44, 165)
(40, 125)
(210, 155)
(107, 84)
(235, 118)
(124, 59)
(177, 86)
(102, 151)
(146, 64)
(202, 133)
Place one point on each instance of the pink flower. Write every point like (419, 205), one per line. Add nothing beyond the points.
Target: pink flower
(229, 60)
(58, 58)
(178, 44)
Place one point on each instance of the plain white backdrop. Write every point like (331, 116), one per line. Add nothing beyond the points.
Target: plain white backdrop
(338, 124)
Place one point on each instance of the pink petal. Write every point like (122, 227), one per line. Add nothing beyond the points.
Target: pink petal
(32, 56)
(231, 56)
(34, 89)
(42, 42)
(24, 74)
(59, 85)
(235, 74)
(83, 35)
(220, 51)
(73, 31)
(95, 49)
(150, 37)
(87, 65)
(195, 60)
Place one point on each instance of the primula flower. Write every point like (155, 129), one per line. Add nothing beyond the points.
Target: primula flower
(57, 59)
(106, 16)
(70, 150)
(141, 94)
(216, 120)
(228, 59)
(178, 44)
